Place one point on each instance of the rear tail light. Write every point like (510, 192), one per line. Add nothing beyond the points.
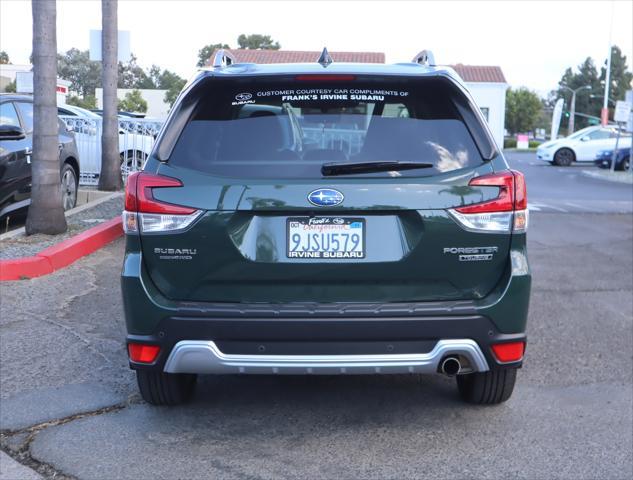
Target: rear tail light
(503, 214)
(141, 353)
(145, 213)
(508, 352)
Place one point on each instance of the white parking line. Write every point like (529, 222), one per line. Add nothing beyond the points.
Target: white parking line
(581, 207)
(537, 206)
(557, 208)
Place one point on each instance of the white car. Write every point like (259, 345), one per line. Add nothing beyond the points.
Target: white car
(134, 147)
(581, 146)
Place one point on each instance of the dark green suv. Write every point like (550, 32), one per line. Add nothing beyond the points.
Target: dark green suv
(326, 219)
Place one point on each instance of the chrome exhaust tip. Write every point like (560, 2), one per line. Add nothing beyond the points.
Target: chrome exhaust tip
(450, 366)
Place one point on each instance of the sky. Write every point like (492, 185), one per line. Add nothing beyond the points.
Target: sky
(533, 41)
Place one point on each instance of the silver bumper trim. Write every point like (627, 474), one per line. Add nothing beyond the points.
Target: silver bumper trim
(198, 356)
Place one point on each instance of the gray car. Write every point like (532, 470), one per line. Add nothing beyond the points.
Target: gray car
(16, 146)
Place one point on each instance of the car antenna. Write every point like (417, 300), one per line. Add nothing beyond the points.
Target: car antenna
(325, 59)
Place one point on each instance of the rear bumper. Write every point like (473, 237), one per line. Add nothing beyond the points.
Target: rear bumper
(324, 338)
(326, 345)
(189, 356)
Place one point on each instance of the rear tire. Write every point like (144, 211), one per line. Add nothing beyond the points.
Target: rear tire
(564, 157)
(487, 388)
(160, 388)
(69, 187)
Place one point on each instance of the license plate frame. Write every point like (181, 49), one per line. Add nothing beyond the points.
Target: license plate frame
(321, 225)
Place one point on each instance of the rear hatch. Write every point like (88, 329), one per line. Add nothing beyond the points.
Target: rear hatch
(293, 193)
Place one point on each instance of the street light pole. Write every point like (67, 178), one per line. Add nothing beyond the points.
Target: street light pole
(604, 114)
(572, 113)
(572, 107)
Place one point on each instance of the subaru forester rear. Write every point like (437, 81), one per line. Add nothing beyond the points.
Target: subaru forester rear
(326, 219)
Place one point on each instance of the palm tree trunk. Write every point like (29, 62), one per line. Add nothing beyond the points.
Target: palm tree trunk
(110, 177)
(46, 213)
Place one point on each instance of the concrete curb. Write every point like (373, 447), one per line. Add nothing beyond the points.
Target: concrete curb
(625, 178)
(69, 213)
(63, 254)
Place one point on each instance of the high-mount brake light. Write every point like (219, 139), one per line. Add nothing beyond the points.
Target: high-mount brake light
(325, 78)
(152, 215)
(505, 213)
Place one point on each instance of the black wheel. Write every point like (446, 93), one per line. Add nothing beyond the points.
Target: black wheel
(159, 388)
(487, 388)
(625, 164)
(69, 186)
(564, 157)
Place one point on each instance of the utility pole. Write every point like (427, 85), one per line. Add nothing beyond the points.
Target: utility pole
(46, 213)
(604, 114)
(572, 113)
(110, 176)
(572, 107)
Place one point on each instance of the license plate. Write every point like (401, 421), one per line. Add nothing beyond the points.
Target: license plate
(329, 238)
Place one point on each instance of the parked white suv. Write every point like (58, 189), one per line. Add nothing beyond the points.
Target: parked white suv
(581, 146)
(134, 146)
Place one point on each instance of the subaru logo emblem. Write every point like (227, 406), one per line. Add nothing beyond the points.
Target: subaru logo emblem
(325, 197)
(242, 97)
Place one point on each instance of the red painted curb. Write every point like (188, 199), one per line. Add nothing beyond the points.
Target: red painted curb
(63, 254)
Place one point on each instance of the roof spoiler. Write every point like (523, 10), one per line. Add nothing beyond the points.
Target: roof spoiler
(425, 57)
(223, 58)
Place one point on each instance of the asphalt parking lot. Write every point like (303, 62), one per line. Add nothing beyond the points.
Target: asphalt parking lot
(69, 406)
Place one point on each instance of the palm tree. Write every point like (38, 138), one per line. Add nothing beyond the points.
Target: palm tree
(110, 177)
(46, 213)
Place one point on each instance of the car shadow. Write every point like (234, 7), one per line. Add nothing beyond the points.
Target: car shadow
(289, 402)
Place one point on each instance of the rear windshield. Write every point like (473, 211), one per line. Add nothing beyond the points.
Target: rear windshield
(288, 128)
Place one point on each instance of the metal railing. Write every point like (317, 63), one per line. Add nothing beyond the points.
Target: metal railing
(136, 139)
(348, 141)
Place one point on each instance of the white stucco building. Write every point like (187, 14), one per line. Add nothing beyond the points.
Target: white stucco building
(156, 105)
(23, 76)
(488, 86)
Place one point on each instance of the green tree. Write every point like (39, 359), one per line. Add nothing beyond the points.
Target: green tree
(88, 102)
(11, 87)
(589, 102)
(204, 54)
(84, 75)
(110, 175)
(131, 75)
(133, 102)
(256, 41)
(621, 76)
(4, 57)
(172, 83)
(46, 213)
(523, 109)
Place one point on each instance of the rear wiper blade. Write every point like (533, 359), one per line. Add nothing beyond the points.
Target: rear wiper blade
(328, 169)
